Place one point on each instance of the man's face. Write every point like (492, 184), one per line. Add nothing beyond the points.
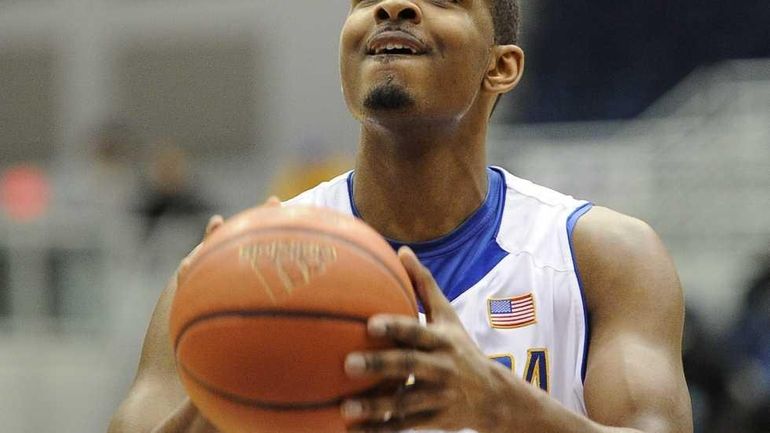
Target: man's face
(423, 58)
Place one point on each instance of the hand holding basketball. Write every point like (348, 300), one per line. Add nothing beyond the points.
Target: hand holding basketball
(455, 385)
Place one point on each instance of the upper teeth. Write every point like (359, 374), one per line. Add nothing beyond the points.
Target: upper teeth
(394, 47)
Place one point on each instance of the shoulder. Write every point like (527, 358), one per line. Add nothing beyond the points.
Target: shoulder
(612, 231)
(615, 243)
(623, 263)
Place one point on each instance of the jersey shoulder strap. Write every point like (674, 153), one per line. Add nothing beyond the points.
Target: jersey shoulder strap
(333, 194)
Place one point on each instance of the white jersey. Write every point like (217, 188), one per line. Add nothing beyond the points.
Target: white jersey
(510, 275)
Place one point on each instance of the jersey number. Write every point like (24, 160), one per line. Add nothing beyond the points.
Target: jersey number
(536, 371)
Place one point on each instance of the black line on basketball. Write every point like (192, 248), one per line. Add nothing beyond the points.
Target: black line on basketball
(294, 314)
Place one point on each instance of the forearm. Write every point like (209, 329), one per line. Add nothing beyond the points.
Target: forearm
(552, 417)
(543, 414)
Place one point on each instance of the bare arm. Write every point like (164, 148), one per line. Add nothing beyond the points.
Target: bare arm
(157, 401)
(634, 380)
(635, 376)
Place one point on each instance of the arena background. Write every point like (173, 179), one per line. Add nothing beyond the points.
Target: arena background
(125, 123)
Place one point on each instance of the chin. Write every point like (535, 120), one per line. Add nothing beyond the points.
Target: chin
(388, 96)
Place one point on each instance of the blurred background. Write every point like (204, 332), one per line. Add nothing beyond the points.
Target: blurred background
(125, 123)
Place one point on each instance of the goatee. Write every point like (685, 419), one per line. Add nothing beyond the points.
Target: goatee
(388, 96)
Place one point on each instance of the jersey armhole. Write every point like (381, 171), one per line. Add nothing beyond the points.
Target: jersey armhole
(571, 223)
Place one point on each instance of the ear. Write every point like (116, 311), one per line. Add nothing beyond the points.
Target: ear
(506, 66)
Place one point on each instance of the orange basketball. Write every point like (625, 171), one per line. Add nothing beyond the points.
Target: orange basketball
(270, 307)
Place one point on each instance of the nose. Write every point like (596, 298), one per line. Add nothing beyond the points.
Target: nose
(397, 10)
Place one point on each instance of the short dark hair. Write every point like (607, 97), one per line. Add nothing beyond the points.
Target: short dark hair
(505, 17)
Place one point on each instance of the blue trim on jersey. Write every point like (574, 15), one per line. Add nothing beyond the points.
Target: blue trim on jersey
(353, 207)
(571, 222)
(459, 260)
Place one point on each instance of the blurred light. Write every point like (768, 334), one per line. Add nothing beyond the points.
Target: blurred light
(24, 192)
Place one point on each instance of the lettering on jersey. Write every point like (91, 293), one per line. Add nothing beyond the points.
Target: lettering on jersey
(294, 263)
(536, 370)
(511, 313)
(507, 360)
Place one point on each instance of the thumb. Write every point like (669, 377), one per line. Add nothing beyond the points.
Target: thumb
(215, 222)
(437, 307)
(273, 201)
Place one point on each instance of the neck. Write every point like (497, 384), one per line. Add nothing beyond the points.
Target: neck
(416, 183)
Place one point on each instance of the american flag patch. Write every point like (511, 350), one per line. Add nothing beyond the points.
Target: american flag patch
(512, 313)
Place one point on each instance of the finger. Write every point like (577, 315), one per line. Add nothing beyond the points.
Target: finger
(430, 419)
(436, 305)
(400, 364)
(399, 405)
(214, 223)
(273, 201)
(407, 331)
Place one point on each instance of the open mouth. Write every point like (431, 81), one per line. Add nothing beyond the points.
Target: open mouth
(395, 43)
(393, 49)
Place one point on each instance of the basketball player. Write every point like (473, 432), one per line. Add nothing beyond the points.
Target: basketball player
(544, 313)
